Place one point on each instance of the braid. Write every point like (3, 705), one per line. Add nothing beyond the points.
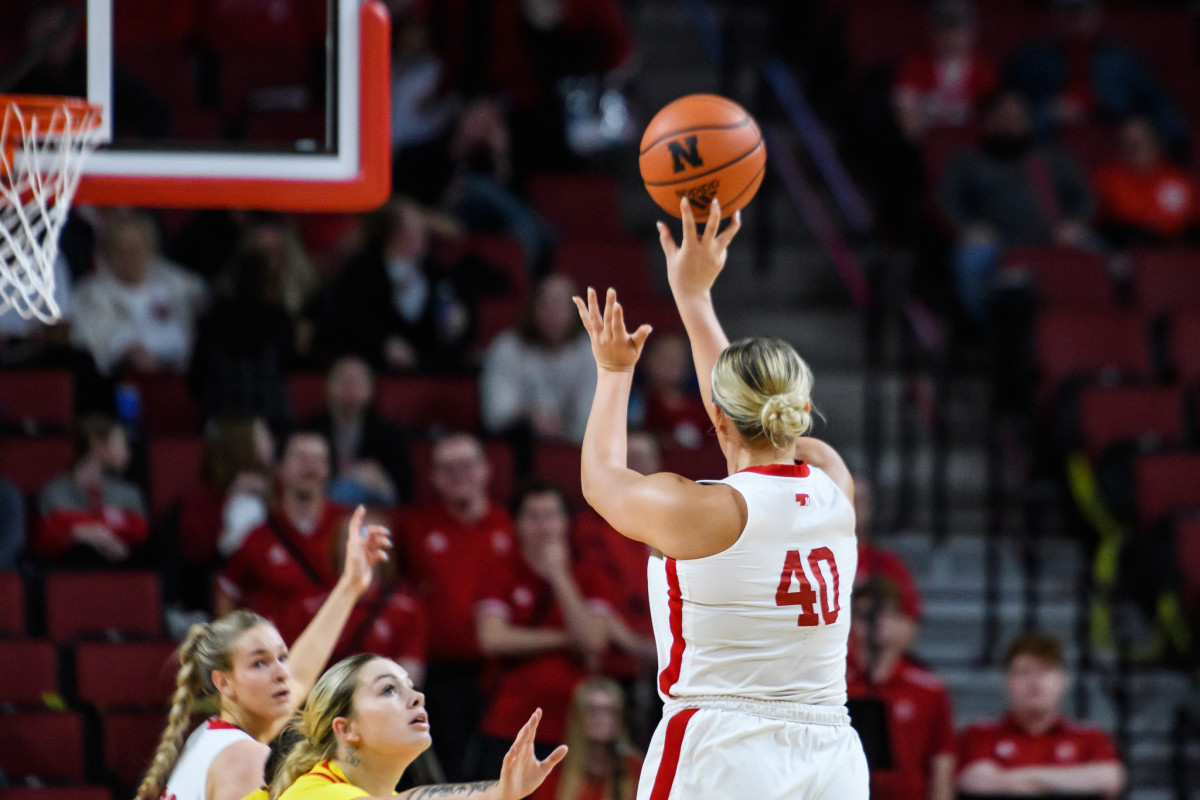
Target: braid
(188, 686)
(305, 755)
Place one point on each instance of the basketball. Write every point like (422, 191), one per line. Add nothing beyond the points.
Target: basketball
(703, 147)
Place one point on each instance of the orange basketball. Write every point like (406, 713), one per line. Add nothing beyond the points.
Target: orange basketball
(702, 147)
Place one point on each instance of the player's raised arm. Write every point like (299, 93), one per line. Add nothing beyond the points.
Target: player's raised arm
(692, 268)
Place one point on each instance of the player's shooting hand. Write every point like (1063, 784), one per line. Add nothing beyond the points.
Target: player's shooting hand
(366, 546)
(615, 349)
(694, 264)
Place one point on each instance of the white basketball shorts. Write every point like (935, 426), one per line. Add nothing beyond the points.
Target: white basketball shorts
(740, 749)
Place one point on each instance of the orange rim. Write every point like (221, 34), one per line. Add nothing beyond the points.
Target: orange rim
(44, 109)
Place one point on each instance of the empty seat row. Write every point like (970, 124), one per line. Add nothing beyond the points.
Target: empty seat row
(107, 675)
(80, 605)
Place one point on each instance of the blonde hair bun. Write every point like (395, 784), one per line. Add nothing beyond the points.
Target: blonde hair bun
(783, 419)
(765, 389)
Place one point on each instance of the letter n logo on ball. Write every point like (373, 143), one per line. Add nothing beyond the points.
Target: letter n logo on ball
(685, 152)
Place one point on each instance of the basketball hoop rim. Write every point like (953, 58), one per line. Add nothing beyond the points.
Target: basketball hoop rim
(44, 108)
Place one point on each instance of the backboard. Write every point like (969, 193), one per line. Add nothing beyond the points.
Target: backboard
(268, 104)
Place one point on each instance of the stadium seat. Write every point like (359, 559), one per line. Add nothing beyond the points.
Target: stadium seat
(174, 464)
(494, 316)
(306, 393)
(1185, 347)
(47, 745)
(117, 674)
(34, 399)
(1071, 344)
(57, 793)
(505, 254)
(30, 463)
(28, 671)
(500, 459)
(622, 262)
(12, 604)
(584, 204)
(1065, 278)
(1166, 280)
(704, 463)
(129, 739)
(167, 406)
(1165, 483)
(560, 462)
(1108, 415)
(421, 401)
(81, 604)
(1187, 554)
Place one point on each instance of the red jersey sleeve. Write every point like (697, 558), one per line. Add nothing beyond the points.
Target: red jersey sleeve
(1099, 747)
(974, 744)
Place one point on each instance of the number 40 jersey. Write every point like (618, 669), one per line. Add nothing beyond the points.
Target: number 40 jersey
(769, 617)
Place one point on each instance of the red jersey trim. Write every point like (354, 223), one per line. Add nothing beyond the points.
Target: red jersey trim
(670, 675)
(218, 724)
(325, 770)
(672, 746)
(797, 470)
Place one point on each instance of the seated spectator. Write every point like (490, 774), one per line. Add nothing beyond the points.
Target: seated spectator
(1144, 198)
(1034, 749)
(1078, 75)
(541, 625)
(90, 516)
(538, 377)
(393, 304)
(1009, 191)
(944, 85)
(674, 411)
(245, 346)
(286, 559)
(919, 723)
(601, 762)
(139, 310)
(452, 549)
(388, 619)
(370, 457)
(877, 562)
(232, 497)
(12, 525)
(292, 275)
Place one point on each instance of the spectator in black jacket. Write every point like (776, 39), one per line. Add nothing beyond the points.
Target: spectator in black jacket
(369, 455)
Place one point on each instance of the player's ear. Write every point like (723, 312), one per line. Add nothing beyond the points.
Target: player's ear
(221, 682)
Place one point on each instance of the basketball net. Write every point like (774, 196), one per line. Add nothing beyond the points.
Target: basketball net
(43, 144)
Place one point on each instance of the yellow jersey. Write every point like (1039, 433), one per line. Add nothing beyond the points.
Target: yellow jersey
(323, 782)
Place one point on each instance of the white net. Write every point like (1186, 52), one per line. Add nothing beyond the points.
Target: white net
(41, 159)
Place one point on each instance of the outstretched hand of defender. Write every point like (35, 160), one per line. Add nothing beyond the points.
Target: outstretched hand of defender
(694, 264)
(522, 773)
(615, 349)
(366, 546)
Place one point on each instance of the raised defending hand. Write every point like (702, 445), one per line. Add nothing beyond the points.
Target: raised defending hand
(614, 348)
(693, 265)
(522, 773)
(366, 546)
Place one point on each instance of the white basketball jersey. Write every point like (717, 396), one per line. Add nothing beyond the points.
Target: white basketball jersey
(189, 779)
(768, 618)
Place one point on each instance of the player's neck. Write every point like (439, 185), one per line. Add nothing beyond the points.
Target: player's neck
(371, 773)
(747, 455)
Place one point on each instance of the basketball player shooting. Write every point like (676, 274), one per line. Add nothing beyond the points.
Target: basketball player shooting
(751, 612)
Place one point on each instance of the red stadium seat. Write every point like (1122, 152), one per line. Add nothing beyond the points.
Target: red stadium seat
(28, 671)
(496, 315)
(115, 674)
(167, 406)
(12, 604)
(1185, 347)
(419, 401)
(37, 397)
(500, 459)
(31, 463)
(47, 745)
(1065, 278)
(585, 204)
(1165, 483)
(174, 463)
(1166, 280)
(1187, 554)
(505, 254)
(561, 463)
(306, 393)
(621, 262)
(57, 793)
(1079, 343)
(704, 463)
(130, 738)
(100, 603)
(1108, 415)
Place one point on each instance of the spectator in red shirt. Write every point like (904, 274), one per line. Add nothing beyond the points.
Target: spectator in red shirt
(90, 516)
(601, 763)
(673, 408)
(542, 626)
(1144, 198)
(875, 561)
(453, 550)
(1034, 749)
(286, 559)
(920, 725)
(943, 85)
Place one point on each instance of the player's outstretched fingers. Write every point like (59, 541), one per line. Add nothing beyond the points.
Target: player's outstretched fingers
(731, 231)
(714, 220)
(667, 240)
(689, 220)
